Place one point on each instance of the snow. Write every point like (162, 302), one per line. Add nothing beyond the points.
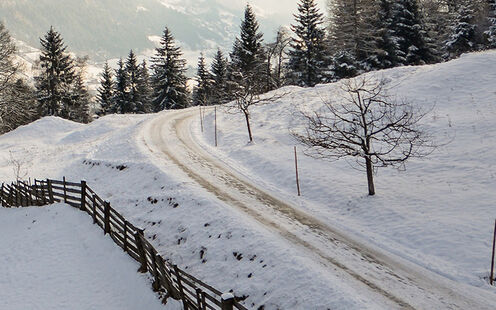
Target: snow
(54, 258)
(437, 215)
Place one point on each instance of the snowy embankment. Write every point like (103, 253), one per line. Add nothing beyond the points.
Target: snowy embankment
(54, 258)
(186, 224)
(439, 213)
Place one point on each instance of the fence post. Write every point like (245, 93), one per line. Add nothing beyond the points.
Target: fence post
(65, 189)
(83, 196)
(50, 190)
(156, 281)
(125, 235)
(2, 196)
(180, 286)
(227, 301)
(139, 236)
(106, 217)
(491, 280)
(94, 209)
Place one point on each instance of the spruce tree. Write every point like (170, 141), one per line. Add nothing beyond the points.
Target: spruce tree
(78, 107)
(202, 91)
(218, 73)
(463, 38)
(409, 33)
(80, 101)
(169, 79)
(121, 93)
(105, 96)
(491, 19)
(248, 61)
(133, 77)
(144, 89)
(383, 54)
(53, 84)
(351, 28)
(307, 56)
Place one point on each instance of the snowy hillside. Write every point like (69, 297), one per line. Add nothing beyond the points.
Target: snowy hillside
(439, 213)
(435, 218)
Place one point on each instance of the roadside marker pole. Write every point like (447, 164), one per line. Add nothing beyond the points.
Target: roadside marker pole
(201, 118)
(215, 117)
(297, 177)
(491, 280)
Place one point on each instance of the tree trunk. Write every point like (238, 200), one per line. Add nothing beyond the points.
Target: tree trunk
(370, 176)
(247, 117)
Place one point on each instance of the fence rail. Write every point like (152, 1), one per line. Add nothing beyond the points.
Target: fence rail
(168, 278)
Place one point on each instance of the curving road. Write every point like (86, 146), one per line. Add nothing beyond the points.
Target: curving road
(395, 282)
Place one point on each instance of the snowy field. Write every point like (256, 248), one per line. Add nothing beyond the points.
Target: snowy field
(55, 258)
(438, 214)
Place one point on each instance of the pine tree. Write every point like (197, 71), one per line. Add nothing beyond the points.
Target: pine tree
(351, 27)
(132, 73)
(54, 82)
(218, 73)
(105, 96)
(202, 91)
(248, 61)
(307, 62)
(383, 54)
(463, 38)
(77, 108)
(491, 32)
(409, 33)
(121, 93)
(169, 80)
(80, 101)
(144, 90)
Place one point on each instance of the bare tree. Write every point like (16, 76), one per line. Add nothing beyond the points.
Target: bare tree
(245, 95)
(278, 51)
(369, 125)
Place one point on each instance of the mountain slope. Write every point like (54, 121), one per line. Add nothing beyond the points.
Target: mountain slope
(110, 28)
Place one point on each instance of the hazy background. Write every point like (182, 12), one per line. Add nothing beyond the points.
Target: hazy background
(107, 29)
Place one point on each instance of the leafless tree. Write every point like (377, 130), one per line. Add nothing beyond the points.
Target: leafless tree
(277, 51)
(17, 103)
(369, 125)
(245, 95)
(18, 167)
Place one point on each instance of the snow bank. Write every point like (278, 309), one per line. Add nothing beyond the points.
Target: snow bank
(54, 258)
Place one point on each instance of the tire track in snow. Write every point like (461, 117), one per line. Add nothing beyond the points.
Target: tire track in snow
(400, 284)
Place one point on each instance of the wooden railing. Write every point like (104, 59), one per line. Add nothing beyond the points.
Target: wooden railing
(168, 278)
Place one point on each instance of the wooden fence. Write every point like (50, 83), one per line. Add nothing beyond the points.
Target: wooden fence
(168, 278)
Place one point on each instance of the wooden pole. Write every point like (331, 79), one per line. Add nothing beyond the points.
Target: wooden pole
(94, 209)
(227, 301)
(83, 196)
(139, 237)
(215, 121)
(491, 280)
(297, 176)
(106, 217)
(65, 190)
(201, 118)
(50, 190)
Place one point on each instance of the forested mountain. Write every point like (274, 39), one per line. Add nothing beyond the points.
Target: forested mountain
(110, 28)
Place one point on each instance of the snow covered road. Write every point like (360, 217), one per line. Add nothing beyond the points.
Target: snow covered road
(393, 281)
